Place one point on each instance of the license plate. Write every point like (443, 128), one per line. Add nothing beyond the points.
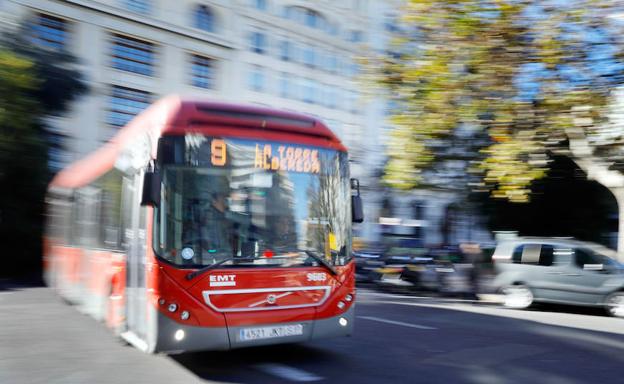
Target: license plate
(270, 332)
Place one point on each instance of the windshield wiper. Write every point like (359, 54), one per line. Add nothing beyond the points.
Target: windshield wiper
(192, 275)
(322, 262)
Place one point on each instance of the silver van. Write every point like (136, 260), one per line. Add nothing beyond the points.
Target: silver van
(558, 271)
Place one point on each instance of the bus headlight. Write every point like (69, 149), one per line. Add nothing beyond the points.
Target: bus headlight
(185, 315)
(161, 301)
(349, 298)
(172, 307)
(342, 321)
(341, 304)
(179, 335)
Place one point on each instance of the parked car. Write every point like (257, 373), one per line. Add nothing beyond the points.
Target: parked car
(366, 261)
(418, 269)
(562, 271)
(415, 274)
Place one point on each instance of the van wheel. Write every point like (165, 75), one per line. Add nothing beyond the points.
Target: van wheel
(615, 304)
(518, 296)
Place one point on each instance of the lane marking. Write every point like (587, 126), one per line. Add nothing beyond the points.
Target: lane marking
(567, 320)
(288, 373)
(411, 297)
(483, 298)
(379, 319)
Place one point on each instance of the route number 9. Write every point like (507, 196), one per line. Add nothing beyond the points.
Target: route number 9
(218, 154)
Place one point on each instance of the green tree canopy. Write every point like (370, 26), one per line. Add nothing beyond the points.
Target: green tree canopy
(34, 83)
(518, 70)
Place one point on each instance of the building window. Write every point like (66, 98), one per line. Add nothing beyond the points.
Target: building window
(133, 55)
(204, 18)
(354, 69)
(285, 50)
(293, 53)
(308, 91)
(331, 97)
(50, 32)
(345, 67)
(309, 56)
(284, 85)
(202, 72)
(312, 19)
(353, 101)
(260, 4)
(125, 103)
(418, 210)
(140, 6)
(356, 36)
(258, 42)
(309, 18)
(257, 79)
(332, 63)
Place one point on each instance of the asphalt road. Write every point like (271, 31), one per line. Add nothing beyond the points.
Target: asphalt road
(397, 339)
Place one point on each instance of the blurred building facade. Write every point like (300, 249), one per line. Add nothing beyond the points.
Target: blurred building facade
(290, 54)
(293, 55)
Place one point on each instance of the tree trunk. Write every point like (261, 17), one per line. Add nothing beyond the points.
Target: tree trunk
(597, 168)
(619, 197)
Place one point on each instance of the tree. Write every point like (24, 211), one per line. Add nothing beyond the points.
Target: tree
(536, 76)
(34, 83)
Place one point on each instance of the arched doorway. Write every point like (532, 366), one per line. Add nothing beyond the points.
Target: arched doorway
(563, 204)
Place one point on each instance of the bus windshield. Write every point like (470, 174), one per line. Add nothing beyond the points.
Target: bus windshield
(263, 203)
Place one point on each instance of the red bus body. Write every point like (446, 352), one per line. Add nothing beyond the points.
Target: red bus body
(143, 300)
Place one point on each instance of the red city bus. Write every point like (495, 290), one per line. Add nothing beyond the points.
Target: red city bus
(208, 226)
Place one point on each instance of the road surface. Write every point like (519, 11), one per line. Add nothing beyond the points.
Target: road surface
(398, 339)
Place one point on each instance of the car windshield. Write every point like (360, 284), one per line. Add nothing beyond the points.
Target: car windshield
(258, 203)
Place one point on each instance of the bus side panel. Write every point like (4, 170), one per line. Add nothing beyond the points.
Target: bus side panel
(68, 272)
(330, 307)
(51, 264)
(102, 267)
(115, 309)
(172, 293)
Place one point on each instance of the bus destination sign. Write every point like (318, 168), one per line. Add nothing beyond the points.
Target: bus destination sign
(272, 157)
(287, 158)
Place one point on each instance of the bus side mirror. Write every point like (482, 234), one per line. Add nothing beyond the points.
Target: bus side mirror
(151, 189)
(357, 211)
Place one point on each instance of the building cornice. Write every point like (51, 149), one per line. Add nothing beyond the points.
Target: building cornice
(207, 37)
(269, 20)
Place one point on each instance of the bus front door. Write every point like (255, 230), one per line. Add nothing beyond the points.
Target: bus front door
(135, 241)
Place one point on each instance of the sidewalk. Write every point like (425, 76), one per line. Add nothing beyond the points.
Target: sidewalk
(45, 340)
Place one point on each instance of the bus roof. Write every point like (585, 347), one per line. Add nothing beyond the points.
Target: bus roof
(176, 115)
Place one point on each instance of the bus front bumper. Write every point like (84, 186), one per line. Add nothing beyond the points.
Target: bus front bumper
(176, 338)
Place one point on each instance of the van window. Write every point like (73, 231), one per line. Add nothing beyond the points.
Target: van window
(516, 258)
(562, 255)
(534, 254)
(587, 256)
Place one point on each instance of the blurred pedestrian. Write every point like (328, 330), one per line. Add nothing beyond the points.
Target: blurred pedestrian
(473, 257)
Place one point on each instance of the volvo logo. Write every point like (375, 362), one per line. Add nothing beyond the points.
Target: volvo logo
(270, 299)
